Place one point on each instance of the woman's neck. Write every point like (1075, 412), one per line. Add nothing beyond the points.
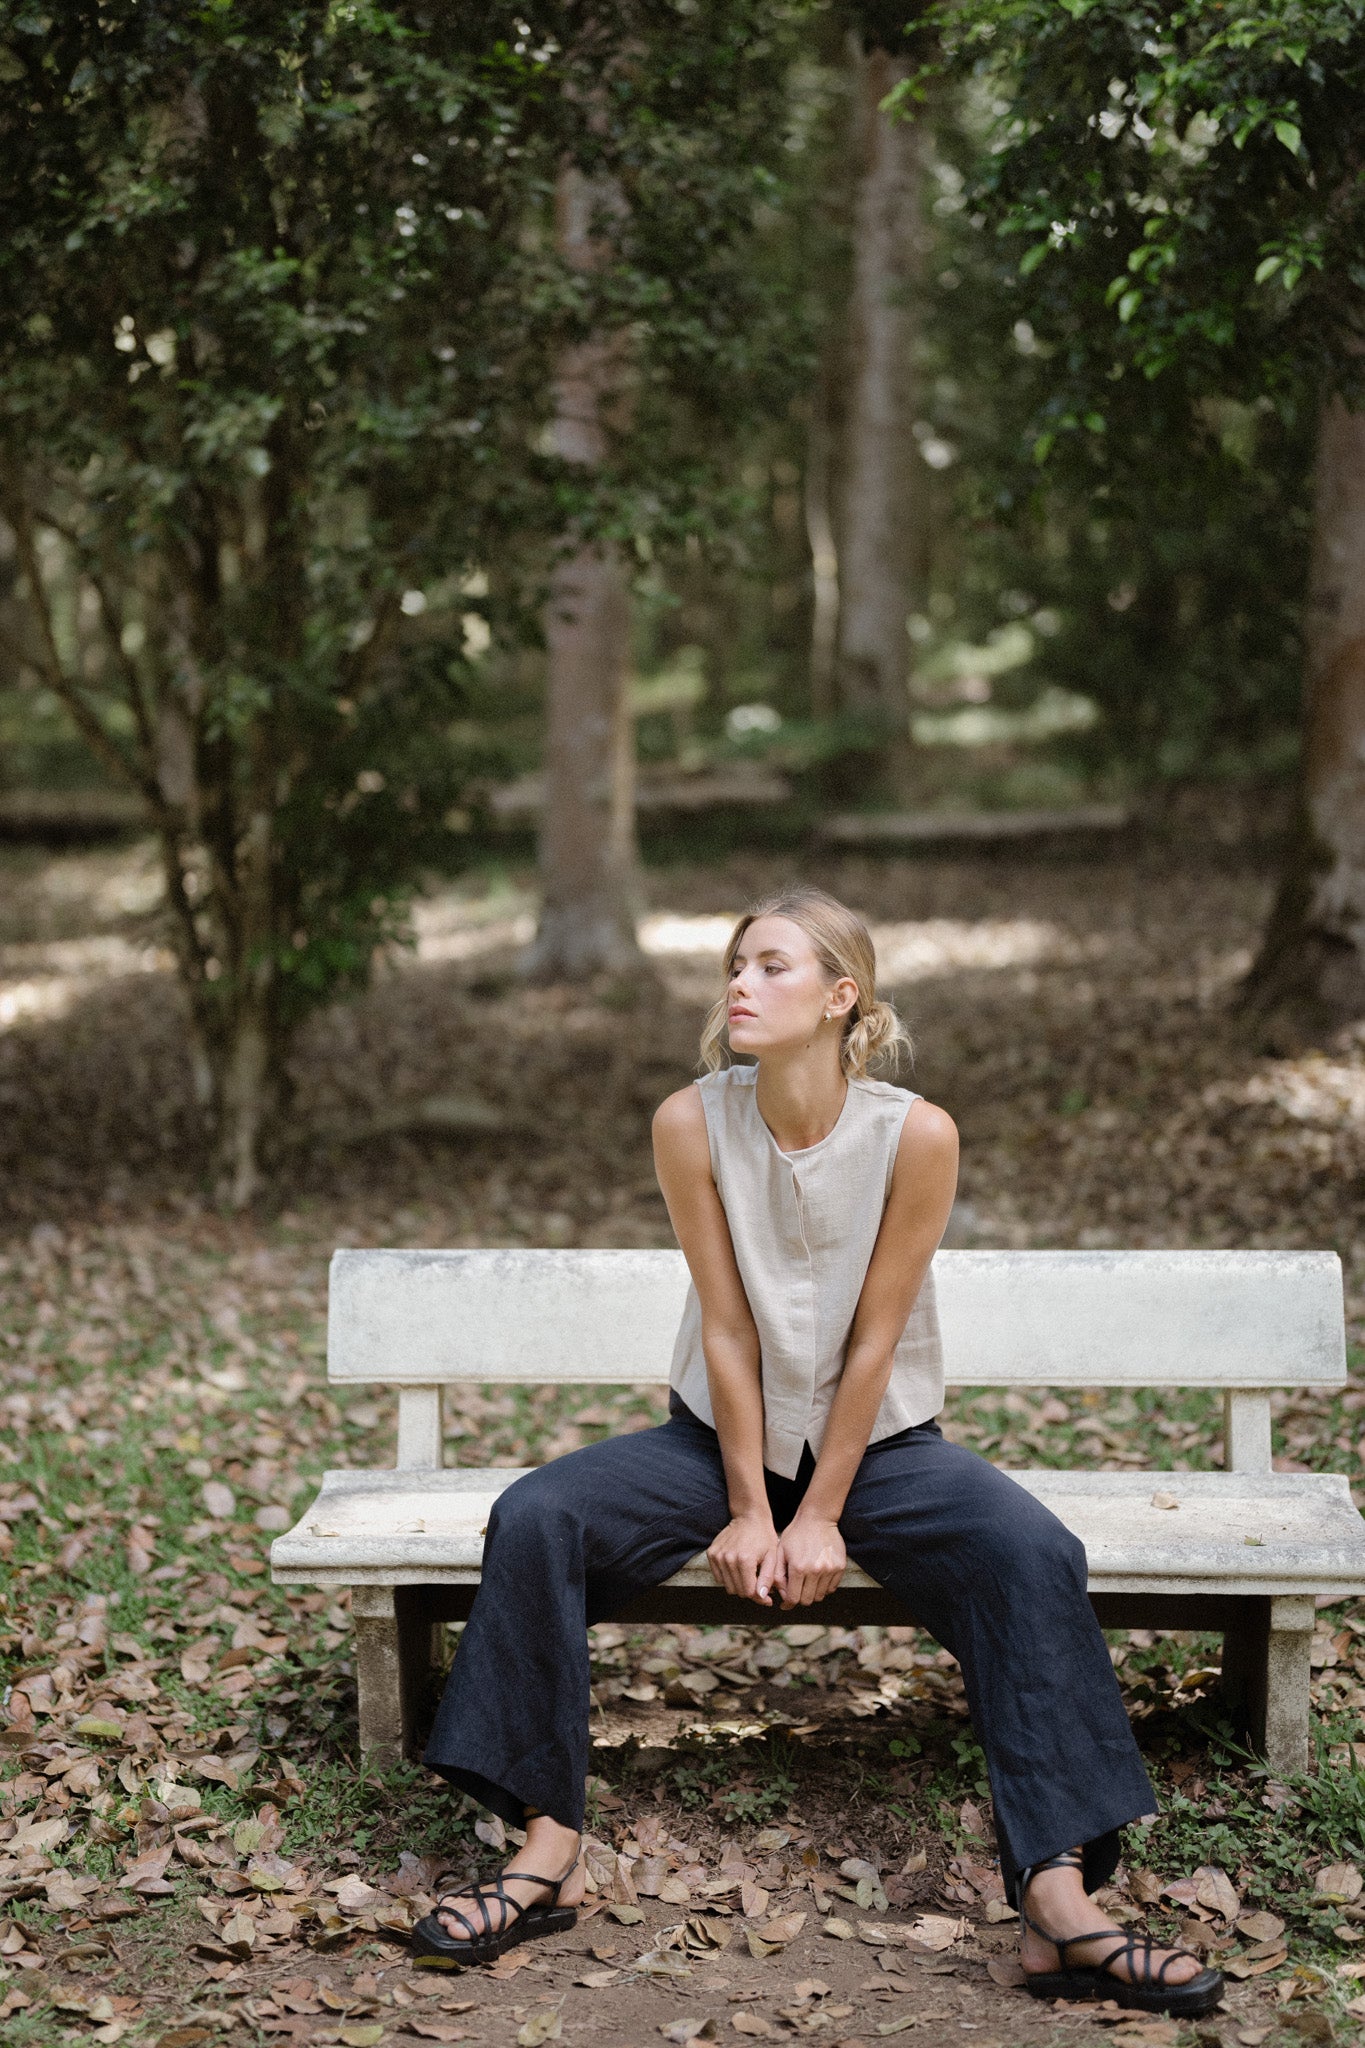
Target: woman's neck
(800, 1099)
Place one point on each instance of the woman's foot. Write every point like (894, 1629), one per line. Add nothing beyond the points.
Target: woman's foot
(1058, 1902)
(549, 1851)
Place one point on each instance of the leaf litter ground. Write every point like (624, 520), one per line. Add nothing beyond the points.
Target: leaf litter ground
(790, 1827)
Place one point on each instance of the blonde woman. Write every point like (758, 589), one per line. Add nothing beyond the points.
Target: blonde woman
(809, 1200)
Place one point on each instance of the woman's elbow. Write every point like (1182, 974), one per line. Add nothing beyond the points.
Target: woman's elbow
(730, 1343)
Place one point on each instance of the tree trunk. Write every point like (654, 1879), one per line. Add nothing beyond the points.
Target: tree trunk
(589, 864)
(881, 512)
(824, 557)
(248, 1098)
(1311, 968)
(590, 893)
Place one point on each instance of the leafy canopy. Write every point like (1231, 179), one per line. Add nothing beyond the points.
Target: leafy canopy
(1180, 187)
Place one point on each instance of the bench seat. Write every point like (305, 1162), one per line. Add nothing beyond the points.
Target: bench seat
(1295, 1533)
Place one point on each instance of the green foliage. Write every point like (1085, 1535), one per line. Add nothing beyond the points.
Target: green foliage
(280, 309)
(742, 1782)
(1133, 415)
(1181, 185)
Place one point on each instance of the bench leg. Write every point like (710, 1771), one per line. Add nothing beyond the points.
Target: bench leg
(395, 1648)
(1266, 1671)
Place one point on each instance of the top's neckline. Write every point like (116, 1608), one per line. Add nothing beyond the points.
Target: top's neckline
(804, 1151)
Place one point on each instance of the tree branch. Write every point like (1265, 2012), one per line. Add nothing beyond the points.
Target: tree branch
(49, 664)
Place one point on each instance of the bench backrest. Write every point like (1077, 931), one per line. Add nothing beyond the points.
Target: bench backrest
(1241, 1321)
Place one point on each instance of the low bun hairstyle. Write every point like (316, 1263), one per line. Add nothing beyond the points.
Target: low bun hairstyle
(843, 946)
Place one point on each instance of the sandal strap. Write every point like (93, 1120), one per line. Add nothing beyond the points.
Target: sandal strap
(1129, 1947)
(481, 1895)
(1065, 1859)
(470, 1891)
(1125, 1946)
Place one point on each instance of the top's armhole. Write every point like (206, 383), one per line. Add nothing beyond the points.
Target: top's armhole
(894, 1149)
(711, 1145)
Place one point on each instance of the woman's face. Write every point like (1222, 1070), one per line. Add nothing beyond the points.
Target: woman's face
(779, 991)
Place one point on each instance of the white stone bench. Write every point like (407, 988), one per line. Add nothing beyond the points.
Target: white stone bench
(1245, 1551)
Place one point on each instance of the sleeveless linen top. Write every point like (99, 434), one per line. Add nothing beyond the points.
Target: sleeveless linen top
(803, 1225)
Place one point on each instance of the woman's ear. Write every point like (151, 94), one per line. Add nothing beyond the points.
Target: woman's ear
(843, 997)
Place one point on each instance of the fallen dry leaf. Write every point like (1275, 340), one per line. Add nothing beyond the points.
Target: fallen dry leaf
(839, 1929)
(1216, 1891)
(238, 1933)
(1254, 1965)
(1006, 1970)
(1339, 1881)
(435, 2030)
(36, 1836)
(933, 1930)
(354, 1896)
(148, 1873)
(1164, 1500)
(545, 2025)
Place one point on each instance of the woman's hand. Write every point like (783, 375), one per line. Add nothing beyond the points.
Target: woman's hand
(745, 1558)
(813, 1560)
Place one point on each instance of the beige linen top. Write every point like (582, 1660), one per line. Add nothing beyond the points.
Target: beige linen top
(803, 1225)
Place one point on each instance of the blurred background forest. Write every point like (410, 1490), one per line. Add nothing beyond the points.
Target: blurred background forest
(438, 445)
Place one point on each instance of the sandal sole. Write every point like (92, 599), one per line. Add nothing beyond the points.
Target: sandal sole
(1180, 2001)
(430, 1942)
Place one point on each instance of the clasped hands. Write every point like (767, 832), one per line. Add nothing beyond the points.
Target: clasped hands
(801, 1566)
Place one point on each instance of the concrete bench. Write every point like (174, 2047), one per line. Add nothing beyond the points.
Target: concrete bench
(1245, 1551)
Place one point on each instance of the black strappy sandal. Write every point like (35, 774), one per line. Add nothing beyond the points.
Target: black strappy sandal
(486, 1943)
(1148, 1993)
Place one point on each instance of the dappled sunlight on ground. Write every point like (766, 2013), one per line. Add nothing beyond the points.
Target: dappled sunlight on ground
(1074, 1018)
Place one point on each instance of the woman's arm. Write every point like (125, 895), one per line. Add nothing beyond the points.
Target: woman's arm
(744, 1557)
(923, 1183)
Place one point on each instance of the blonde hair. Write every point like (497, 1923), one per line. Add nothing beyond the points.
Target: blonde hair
(843, 946)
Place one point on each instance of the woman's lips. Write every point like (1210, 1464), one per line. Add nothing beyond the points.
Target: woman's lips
(740, 1013)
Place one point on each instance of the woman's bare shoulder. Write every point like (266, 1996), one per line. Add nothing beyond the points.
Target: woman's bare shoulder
(680, 1119)
(927, 1133)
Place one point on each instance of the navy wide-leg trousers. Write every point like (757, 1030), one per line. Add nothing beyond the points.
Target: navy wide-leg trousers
(991, 1573)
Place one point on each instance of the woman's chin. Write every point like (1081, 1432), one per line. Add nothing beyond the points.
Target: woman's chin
(746, 1039)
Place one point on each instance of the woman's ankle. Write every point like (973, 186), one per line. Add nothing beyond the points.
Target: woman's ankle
(550, 1837)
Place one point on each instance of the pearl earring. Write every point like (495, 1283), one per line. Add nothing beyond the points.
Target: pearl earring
(827, 1016)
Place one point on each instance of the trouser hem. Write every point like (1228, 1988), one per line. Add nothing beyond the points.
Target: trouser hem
(1100, 1855)
(504, 1800)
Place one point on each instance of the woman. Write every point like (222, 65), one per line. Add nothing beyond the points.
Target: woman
(808, 1200)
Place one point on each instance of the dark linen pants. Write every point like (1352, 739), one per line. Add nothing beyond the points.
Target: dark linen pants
(992, 1574)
